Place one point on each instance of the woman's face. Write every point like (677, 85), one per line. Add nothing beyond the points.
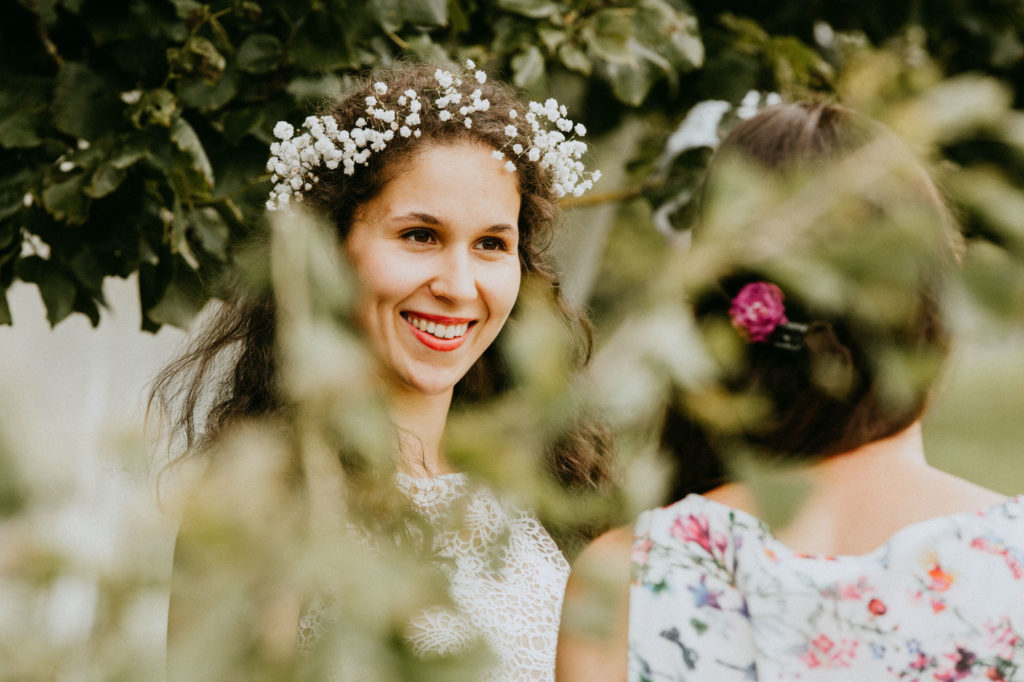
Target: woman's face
(436, 254)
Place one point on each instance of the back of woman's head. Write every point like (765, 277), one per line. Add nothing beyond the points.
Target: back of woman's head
(839, 247)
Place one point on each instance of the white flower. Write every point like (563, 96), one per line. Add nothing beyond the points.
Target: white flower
(470, 64)
(283, 130)
(131, 96)
(295, 157)
(27, 200)
(699, 128)
(66, 166)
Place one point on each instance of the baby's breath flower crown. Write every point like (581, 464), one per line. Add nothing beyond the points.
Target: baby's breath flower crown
(542, 134)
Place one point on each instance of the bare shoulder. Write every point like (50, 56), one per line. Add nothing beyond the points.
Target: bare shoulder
(593, 641)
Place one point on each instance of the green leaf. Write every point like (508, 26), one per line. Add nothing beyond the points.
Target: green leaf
(155, 107)
(83, 103)
(426, 12)
(20, 130)
(12, 192)
(212, 231)
(105, 180)
(535, 9)
(182, 299)
(206, 95)
(259, 53)
(388, 14)
(5, 311)
(87, 270)
(322, 45)
(238, 123)
(574, 58)
(632, 82)
(185, 139)
(527, 67)
(66, 200)
(550, 37)
(211, 62)
(56, 286)
(671, 32)
(608, 33)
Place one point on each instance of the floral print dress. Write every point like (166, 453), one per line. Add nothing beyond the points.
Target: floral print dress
(716, 597)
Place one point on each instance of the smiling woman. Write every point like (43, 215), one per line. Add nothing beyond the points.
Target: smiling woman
(442, 189)
(439, 270)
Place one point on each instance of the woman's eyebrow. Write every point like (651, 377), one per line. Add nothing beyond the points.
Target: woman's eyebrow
(425, 218)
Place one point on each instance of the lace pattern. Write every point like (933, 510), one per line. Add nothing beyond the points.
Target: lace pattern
(506, 577)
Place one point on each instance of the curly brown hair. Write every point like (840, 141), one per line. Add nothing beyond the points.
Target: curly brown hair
(243, 329)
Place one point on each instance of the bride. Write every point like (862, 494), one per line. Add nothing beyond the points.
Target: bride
(442, 187)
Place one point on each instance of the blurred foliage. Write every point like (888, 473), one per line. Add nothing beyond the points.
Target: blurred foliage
(133, 134)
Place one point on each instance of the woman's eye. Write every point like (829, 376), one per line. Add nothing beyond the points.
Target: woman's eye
(419, 236)
(493, 244)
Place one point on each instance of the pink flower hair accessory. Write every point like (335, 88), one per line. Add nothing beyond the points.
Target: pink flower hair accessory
(757, 310)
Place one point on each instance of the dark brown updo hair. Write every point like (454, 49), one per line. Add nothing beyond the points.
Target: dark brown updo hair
(242, 332)
(814, 414)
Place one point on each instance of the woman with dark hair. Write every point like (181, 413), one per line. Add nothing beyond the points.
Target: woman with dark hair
(442, 187)
(887, 568)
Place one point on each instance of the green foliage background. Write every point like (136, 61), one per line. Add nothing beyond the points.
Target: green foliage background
(133, 136)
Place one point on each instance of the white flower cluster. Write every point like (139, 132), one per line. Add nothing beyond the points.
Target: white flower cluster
(551, 141)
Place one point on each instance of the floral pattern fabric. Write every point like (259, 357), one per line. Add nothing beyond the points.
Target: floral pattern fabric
(716, 597)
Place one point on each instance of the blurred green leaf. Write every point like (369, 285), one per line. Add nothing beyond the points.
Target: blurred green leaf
(185, 139)
(66, 200)
(105, 180)
(259, 53)
(82, 102)
(608, 32)
(527, 67)
(535, 9)
(55, 285)
(574, 58)
(426, 12)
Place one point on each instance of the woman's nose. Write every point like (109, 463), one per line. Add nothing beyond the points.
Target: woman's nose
(455, 280)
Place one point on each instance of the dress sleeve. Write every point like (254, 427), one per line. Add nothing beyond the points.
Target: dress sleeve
(687, 619)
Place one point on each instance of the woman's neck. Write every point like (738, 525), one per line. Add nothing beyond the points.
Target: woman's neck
(419, 421)
(857, 500)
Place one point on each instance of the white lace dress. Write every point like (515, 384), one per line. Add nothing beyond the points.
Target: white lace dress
(506, 576)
